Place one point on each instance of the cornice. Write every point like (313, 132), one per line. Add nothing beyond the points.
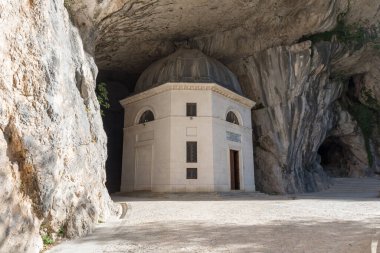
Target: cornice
(189, 86)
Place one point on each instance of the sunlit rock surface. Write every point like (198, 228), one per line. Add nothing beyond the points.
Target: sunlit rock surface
(52, 143)
(296, 96)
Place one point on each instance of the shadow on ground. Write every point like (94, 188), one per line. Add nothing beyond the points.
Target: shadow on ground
(298, 236)
(343, 219)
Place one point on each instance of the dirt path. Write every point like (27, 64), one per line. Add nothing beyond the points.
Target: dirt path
(243, 223)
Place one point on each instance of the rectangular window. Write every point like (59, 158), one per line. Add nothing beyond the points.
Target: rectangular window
(191, 151)
(191, 173)
(191, 109)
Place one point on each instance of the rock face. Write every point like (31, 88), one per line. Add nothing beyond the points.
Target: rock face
(294, 89)
(131, 34)
(223, 29)
(52, 144)
(343, 152)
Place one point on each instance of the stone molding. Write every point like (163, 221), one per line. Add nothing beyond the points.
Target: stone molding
(189, 86)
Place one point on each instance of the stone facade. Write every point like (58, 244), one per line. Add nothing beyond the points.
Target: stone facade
(154, 155)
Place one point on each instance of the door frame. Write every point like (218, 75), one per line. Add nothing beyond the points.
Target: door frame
(139, 145)
(240, 167)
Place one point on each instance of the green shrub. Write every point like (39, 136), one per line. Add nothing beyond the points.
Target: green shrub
(67, 3)
(356, 35)
(369, 98)
(102, 96)
(366, 118)
(47, 239)
(61, 232)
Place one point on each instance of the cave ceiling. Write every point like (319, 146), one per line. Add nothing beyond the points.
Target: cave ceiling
(137, 33)
(131, 34)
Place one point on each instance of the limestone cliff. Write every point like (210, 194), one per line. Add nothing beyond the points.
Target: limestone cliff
(52, 144)
(317, 95)
(296, 94)
(299, 110)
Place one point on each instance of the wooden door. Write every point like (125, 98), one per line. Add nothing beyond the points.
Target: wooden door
(234, 170)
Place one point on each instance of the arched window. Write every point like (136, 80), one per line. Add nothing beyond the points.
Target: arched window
(146, 117)
(232, 118)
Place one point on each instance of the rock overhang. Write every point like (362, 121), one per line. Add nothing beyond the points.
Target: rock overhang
(133, 34)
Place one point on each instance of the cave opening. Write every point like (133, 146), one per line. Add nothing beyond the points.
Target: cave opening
(334, 154)
(334, 157)
(346, 152)
(119, 84)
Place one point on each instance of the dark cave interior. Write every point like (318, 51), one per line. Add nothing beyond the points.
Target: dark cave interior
(334, 157)
(337, 154)
(119, 85)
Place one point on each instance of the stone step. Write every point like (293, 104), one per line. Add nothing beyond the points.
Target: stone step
(362, 184)
(355, 188)
(356, 185)
(354, 191)
(350, 187)
(241, 193)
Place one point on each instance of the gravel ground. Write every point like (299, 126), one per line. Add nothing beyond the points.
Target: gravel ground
(213, 223)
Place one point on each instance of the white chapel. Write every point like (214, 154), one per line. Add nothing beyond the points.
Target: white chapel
(187, 128)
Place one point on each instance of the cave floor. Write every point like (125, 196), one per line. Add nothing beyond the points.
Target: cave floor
(330, 221)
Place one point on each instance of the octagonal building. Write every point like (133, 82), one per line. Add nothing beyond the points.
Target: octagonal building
(187, 128)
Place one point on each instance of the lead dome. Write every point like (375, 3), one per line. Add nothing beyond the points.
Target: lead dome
(189, 66)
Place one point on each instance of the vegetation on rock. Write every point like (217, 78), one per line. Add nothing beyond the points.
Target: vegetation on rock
(67, 3)
(355, 35)
(47, 239)
(366, 119)
(61, 232)
(102, 96)
(366, 115)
